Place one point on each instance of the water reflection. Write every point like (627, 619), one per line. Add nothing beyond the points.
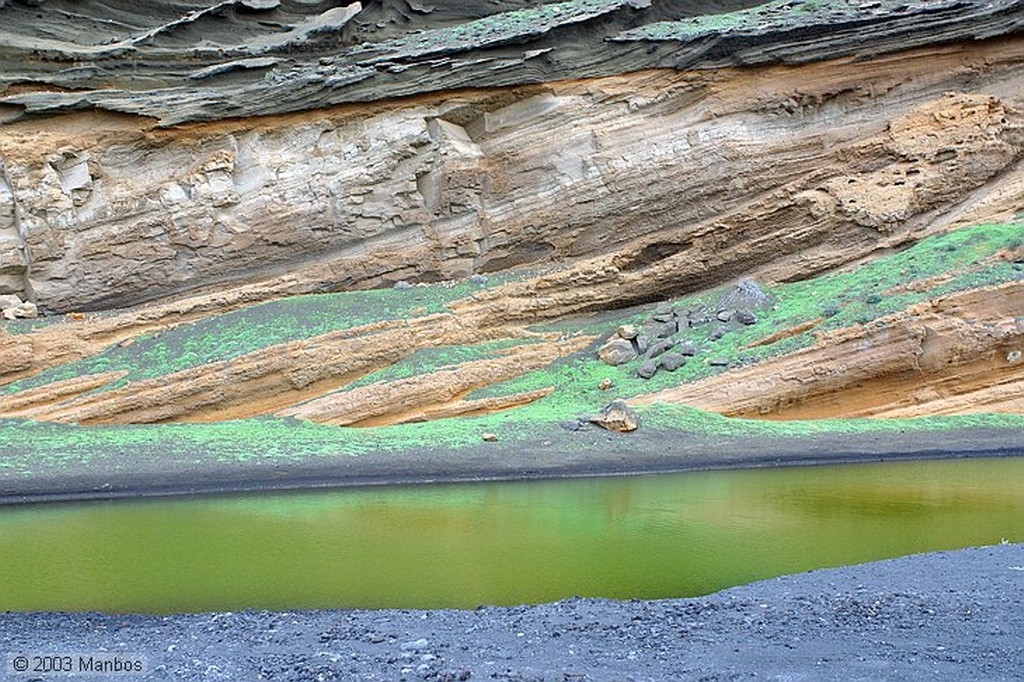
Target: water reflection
(464, 545)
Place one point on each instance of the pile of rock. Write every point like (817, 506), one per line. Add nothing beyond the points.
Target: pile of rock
(657, 344)
(13, 308)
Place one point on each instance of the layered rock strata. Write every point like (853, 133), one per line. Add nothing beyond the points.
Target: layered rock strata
(666, 181)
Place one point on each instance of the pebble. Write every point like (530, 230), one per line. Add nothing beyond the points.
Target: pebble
(415, 645)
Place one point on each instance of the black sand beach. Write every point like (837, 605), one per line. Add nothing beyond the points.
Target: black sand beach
(939, 616)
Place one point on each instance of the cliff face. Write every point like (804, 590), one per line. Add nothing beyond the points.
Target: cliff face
(622, 151)
(673, 179)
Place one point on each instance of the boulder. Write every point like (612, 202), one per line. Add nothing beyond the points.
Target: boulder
(643, 342)
(698, 316)
(725, 314)
(670, 362)
(616, 352)
(658, 348)
(747, 295)
(9, 301)
(647, 369)
(666, 330)
(616, 416)
(626, 331)
(26, 311)
(746, 317)
(687, 348)
(663, 313)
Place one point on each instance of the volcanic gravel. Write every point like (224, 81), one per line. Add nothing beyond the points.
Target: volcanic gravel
(942, 616)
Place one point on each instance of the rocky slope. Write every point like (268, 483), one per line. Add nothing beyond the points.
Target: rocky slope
(623, 152)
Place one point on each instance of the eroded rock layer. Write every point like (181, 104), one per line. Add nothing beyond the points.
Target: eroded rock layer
(664, 180)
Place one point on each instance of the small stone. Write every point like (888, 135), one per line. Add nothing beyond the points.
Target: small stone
(746, 317)
(617, 416)
(478, 279)
(572, 424)
(403, 285)
(616, 352)
(1013, 357)
(605, 384)
(873, 299)
(687, 348)
(718, 362)
(626, 331)
(643, 342)
(489, 437)
(725, 314)
(647, 369)
(670, 362)
(718, 333)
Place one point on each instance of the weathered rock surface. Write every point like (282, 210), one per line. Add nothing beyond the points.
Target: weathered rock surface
(799, 169)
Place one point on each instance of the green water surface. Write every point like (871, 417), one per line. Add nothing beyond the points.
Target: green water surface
(497, 543)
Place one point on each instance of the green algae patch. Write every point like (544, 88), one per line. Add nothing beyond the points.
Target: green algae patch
(239, 332)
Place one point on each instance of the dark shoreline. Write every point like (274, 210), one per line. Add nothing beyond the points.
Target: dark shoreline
(648, 451)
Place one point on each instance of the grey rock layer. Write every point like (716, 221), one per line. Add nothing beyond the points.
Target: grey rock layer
(198, 62)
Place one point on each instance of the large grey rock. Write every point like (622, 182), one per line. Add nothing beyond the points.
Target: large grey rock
(746, 317)
(647, 369)
(670, 362)
(616, 352)
(658, 348)
(747, 295)
(687, 348)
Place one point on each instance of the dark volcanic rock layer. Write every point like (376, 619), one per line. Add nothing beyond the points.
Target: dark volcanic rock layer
(205, 61)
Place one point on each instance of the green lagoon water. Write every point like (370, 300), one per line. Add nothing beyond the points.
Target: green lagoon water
(497, 543)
